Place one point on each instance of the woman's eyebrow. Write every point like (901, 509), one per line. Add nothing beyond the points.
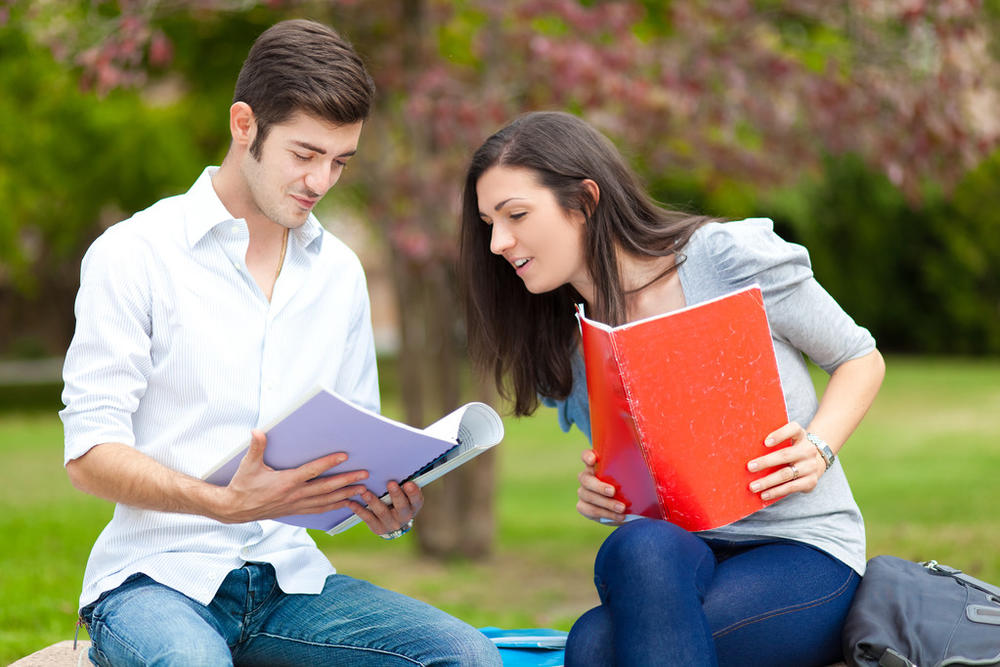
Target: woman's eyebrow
(504, 203)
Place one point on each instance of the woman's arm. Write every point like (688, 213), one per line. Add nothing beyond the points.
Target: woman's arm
(798, 467)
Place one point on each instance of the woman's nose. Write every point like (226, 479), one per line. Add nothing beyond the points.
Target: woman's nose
(501, 239)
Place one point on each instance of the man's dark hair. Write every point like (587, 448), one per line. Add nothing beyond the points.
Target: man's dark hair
(302, 65)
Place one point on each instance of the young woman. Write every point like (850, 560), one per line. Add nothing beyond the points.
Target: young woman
(552, 216)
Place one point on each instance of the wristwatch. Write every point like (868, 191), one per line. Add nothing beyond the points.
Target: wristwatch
(824, 449)
(399, 532)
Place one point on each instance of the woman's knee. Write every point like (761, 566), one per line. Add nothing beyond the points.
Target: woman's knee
(657, 545)
(590, 641)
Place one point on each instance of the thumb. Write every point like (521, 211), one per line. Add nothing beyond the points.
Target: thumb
(589, 457)
(258, 442)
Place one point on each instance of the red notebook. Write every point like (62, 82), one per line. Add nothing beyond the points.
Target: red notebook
(679, 403)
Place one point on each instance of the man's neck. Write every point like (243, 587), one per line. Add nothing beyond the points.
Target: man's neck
(268, 241)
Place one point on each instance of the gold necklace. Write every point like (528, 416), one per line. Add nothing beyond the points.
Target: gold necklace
(281, 260)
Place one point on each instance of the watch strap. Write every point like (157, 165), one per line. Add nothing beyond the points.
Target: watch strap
(824, 449)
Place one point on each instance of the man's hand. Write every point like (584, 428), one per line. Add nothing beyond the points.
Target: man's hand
(381, 518)
(258, 491)
(596, 499)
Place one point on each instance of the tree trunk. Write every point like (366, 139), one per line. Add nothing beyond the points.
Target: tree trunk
(457, 517)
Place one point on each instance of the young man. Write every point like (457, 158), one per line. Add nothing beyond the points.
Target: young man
(198, 320)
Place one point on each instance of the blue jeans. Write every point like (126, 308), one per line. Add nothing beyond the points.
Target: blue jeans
(669, 597)
(252, 622)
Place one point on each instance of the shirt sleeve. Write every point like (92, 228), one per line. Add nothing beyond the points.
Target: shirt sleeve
(108, 361)
(799, 311)
(358, 375)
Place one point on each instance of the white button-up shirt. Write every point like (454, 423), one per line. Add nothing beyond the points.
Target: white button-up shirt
(178, 353)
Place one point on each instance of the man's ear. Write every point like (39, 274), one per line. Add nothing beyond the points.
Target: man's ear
(242, 124)
(594, 195)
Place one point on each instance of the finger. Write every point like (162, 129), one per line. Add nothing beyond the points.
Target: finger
(332, 483)
(595, 512)
(592, 483)
(779, 457)
(317, 467)
(414, 495)
(782, 475)
(377, 505)
(367, 517)
(258, 442)
(400, 501)
(782, 490)
(790, 431)
(598, 500)
(589, 457)
(318, 496)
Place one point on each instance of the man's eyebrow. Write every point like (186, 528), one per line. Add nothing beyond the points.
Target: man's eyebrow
(321, 151)
(504, 203)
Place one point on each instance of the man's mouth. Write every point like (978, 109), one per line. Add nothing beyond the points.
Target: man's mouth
(305, 202)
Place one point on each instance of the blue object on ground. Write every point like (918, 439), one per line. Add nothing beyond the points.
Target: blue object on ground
(532, 647)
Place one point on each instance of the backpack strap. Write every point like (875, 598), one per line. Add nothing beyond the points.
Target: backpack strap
(944, 570)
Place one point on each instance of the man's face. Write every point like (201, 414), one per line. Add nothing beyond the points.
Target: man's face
(300, 160)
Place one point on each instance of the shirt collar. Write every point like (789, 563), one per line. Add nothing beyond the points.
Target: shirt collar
(205, 211)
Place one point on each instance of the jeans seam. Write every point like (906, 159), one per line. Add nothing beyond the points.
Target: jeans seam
(344, 646)
(787, 610)
(102, 629)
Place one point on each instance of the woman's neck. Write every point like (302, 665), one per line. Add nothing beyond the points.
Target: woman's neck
(652, 287)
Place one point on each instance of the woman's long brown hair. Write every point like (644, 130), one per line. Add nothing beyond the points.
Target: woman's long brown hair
(528, 340)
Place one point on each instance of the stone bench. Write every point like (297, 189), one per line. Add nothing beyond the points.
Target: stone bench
(60, 654)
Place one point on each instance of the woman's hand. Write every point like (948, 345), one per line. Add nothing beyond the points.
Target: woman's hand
(596, 498)
(796, 467)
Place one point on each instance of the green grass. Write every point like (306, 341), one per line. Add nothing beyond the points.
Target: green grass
(923, 467)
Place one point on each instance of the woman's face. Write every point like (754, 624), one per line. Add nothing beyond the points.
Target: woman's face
(542, 241)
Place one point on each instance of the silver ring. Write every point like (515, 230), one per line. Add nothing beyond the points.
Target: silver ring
(795, 471)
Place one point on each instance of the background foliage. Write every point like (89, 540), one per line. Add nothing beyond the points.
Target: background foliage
(866, 128)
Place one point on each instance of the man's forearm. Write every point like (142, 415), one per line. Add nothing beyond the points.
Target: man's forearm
(122, 474)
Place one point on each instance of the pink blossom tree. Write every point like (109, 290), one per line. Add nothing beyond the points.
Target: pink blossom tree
(755, 92)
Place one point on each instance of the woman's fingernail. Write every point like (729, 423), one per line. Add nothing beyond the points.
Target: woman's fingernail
(768, 442)
(752, 466)
(765, 496)
(754, 486)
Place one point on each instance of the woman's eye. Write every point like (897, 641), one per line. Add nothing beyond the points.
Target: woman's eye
(517, 216)
(302, 158)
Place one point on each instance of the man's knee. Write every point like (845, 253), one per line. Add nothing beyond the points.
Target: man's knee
(143, 622)
(472, 648)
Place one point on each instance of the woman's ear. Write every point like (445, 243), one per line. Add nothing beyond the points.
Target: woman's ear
(242, 124)
(593, 195)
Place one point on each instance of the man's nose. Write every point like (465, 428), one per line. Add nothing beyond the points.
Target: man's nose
(322, 177)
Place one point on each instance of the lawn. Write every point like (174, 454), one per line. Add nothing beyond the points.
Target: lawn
(923, 467)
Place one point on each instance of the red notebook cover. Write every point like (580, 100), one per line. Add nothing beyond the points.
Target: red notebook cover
(679, 404)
